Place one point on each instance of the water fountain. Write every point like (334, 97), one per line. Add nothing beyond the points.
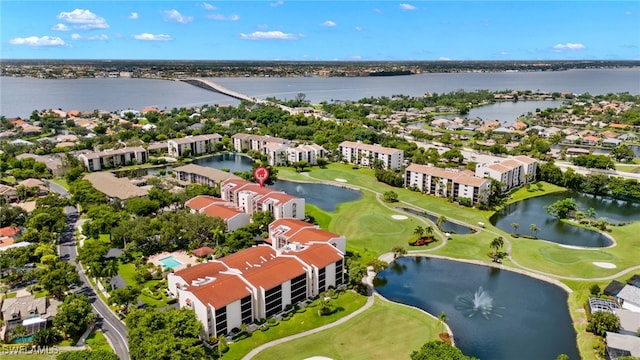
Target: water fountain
(300, 190)
(481, 303)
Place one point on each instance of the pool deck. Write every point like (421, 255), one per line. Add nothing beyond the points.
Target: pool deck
(180, 256)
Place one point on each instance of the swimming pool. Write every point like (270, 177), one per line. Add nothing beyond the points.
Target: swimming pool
(169, 262)
(22, 339)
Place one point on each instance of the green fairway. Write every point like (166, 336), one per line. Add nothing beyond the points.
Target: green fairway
(384, 331)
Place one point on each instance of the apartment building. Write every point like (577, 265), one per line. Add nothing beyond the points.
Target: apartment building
(309, 153)
(512, 172)
(448, 183)
(215, 207)
(366, 155)
(276, 153)
(193, 145)
(243, 142)
(292, 232)
(96, 161)
(252, 198)
(197, 174)
(255, 283)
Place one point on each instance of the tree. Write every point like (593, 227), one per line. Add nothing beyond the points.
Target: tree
(563, 357)
(534, 229)
(57, 277)
(398, 251)
(74, 314)
(594, 290)
(439, 350)
(496, 244)
(622, 153)
(515, 227)
(390, 196)
(562, 208)
(46, 337)
(591, 213)
(142, 206)
(602, 322)
(124, 296)
(443, 320)
(441, 220)
(154, 333)
(419, 230)
(98, 354)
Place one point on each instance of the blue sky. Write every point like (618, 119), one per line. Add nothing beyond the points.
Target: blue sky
(320, 30)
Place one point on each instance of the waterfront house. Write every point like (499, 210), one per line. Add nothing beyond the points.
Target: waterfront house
(362, 154)
(448, 183)
(630, 298)
(193, 145)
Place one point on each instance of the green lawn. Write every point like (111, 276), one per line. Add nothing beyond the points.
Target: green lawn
(128, 274)
(385, 331)
(97, 341)
(62, 182)
(346, 303)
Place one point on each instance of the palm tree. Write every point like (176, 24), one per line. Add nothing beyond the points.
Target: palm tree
(398, 251)
(419, 231)
(218, 234)
(515, 227)
(497, 244)
(110, 269)
(429, 231)
(443, 320)
(591, 213)
(441, 220)
(534, 229)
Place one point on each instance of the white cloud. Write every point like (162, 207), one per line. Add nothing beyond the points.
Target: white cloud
(444, 58)
(60, 27)
(277, 3)
(329, 23)
(407, 7)
(101, 37)
(220, 17)
(569, 46)
(377, 10)
(134, 16)
(83, 19)
(174, 15)
(208, 6)
(269, 35)
(357, 28)
(152, 37)
(628, 13)
(503, 53)
(38, 41)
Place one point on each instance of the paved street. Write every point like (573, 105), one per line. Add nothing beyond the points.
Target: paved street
(108, 322)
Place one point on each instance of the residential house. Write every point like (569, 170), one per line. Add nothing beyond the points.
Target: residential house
(619, 345)
(197, 174)
(96, 161)
(449, 183)
(611, 142)
(252, 198)
(630, 298)
(193, 145)
(33, 313)
(366, 155)
(590, 140)
(9, 193)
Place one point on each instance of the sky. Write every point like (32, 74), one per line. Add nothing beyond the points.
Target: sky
(307, 30)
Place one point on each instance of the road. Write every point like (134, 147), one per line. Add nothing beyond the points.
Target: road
(114, 329)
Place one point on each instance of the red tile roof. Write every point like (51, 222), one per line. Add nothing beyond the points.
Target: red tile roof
(201, 271)
(275, 272)
(310, 235)
(319, 255)
(225, 289)
(221, 211)
(201, 201)
(9, 231)
(203, 251)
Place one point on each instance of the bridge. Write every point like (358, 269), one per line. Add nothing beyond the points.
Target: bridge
(212, 86)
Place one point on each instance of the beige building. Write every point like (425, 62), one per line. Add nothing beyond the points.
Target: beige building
(193, 145)
(96, 161)
(452, 184)
(366, 155)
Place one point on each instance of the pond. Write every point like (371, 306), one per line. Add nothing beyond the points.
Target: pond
(232, 161)
(446, 226)
(326, 197)
(531, 211)
(494, 314)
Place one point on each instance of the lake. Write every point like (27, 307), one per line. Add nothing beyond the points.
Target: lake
(20, 96)
(531, 211)
(494, 314)
(326, 197)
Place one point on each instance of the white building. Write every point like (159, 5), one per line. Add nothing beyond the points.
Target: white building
(276, 153)
(255, 283)
(96, 161)
(365, 155)
(242, 142)
(252, 198)
(512, 172)
(292, 232)
(453, 184)
(630, 296)
(215, 207)
(193, 145)
(309, 153)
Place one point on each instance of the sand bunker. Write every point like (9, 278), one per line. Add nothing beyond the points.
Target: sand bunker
(399, 217)
(341, 180)
(605, 265)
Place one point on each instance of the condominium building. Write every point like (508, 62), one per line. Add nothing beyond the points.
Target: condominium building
(95, 161)
(276, 153)
(215, 207)
(197, 174)
(453, 184)
(193, 145)
(252, 198)
(512, 172)
(366, 155)
(255, 284)
(242, 142)
(309, 153)
(292, 232)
